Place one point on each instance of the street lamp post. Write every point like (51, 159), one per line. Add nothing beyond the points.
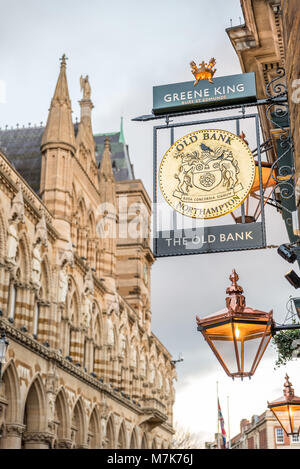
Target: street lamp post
(286, 409)
(238, 335)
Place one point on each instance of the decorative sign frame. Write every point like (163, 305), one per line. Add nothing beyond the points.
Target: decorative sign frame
(221, 238)
(241, 236)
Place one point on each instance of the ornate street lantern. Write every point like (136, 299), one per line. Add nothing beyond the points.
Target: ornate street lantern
(238, 335)
(287, 409)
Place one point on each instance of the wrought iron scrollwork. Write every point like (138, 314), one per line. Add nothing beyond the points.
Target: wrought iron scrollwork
(277, 112)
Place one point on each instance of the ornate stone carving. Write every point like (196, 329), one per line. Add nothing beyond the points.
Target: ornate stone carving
(151, 373)
(62, 284)
(88, 283)
(85, 87)
(67, 255)
(41, 230)
(14, 429)
(36, 265)
(133, 356)
(64, 443)
(17, 208)
(110, 332)
(12, 241)
(122, 344)
(87, 302)
(114, 305)
(39, 437)
(143, 365)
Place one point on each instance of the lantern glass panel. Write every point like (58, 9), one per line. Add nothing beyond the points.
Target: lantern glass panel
(239, 345)
(224, 349)
(253, 346)
(289, 417)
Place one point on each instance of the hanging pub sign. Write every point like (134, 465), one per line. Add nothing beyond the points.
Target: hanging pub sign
(205, 91)
(207, 173)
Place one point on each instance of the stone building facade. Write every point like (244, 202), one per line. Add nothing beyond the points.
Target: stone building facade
(82, 368)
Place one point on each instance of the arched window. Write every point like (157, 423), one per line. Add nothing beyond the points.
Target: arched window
(122, 437)
(34, 417)
(94, 431)
(78, 426)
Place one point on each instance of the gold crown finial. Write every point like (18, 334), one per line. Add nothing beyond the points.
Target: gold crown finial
(204, 71)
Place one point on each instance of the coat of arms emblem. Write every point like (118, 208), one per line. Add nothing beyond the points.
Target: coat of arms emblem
(204, 71)
(205, 169)
(207, 174)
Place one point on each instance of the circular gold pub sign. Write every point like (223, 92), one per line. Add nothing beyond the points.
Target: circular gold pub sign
(207, 173)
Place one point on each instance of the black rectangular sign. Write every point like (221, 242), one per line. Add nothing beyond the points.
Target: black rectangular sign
(223, 91)
(209, 239)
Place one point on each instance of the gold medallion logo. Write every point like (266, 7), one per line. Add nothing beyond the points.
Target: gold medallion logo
(207, 173)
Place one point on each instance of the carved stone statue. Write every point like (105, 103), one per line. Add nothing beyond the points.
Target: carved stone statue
(151, 373)
(133, 356)
(86, 311)
(67, 256)
(41, 230)
(12, 241)
(88, 287)
(87, 303)
(143, 365)
(167, 386)
(62, 284)
(110, 332)
(36, 264)
(122, 344)
(159, 380)
(114, 305)
(17, 208)
(85, 87)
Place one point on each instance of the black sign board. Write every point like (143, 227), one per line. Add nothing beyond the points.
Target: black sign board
(209, 239)
(223, 91)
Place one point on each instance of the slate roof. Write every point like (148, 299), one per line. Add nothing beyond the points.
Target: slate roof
(122, 167)
(22, 147)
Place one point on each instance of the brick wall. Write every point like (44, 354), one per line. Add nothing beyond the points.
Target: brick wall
(251, 443)
(263, 442)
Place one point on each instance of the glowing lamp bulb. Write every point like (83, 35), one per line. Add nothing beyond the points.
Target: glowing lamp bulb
(237, 332)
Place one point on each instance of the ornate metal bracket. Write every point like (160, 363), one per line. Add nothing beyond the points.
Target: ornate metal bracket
(277, 113)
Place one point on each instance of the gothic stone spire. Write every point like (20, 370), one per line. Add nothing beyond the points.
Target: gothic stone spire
(59, 128)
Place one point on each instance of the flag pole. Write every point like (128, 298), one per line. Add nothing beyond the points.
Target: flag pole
(218, 426)
(229, 442)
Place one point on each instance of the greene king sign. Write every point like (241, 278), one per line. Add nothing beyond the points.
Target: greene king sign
(223, 91)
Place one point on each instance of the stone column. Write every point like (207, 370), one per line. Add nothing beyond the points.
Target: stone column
(37, 440)
(12, 436)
